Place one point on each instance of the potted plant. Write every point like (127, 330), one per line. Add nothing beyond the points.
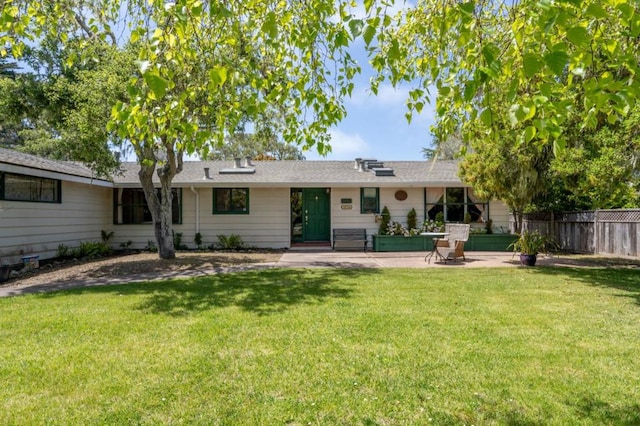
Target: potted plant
(5, 270)
(529, 244)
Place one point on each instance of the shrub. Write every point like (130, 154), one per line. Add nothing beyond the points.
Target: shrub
(63, 251)
(151, 246)
(412, 219)
(231, 242)
(177, 241)
(198, 239)
(489, 226)
(106, 236)
(385, 218)
(533, 243)
(91, 249)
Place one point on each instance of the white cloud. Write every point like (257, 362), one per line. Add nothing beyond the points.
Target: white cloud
(344, 146)
(387, 96)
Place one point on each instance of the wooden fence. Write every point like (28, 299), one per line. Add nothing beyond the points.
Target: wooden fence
(614, 232)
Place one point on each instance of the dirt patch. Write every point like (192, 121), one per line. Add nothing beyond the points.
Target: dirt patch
(134, 265)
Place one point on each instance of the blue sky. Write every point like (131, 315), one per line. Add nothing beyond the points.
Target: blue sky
(375, 126)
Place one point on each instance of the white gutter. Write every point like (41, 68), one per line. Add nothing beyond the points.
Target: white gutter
(193, 189)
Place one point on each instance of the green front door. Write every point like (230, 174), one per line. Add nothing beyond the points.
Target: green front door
(315, 214)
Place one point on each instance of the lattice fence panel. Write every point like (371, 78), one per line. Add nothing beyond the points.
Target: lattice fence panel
(619, 216)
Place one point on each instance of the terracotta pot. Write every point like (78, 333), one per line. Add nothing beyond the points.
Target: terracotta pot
(528, 259)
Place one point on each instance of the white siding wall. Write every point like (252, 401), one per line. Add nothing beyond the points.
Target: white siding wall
(141, 235)
(499, 213)
(352, 218)
(38, 228)
(266, 225)
(399, 209)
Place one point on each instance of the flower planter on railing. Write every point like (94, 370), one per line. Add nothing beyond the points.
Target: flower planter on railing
(476, 242)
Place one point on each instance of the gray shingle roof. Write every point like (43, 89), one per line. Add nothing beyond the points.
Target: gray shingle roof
(307, 173)
(70, 168)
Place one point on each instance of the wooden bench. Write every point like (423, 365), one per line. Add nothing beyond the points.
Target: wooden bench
(350, 238)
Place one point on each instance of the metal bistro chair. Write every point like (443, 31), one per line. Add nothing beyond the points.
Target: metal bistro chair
(451, 247)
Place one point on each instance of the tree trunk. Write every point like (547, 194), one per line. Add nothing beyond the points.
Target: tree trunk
(160, 204)
(160, 208)
(163, 224)
(517, 221)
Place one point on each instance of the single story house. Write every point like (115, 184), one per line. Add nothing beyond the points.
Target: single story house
(269, 204)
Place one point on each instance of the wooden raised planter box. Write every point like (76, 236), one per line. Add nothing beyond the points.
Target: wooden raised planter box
(476, 242)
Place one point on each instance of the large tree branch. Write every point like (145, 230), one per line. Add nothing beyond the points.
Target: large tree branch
(80, 21)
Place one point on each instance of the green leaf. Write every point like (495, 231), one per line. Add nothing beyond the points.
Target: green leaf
(557, 61)
(578, 36)
(490, 52)
(368, 34)
(355, 26)
(486, 117)
(196, 9)
(559, 146)
(486, 74)
(532, 64)
(515, 114)
(408, 115)
(269, 25)
(468, 8)
(367, 5)
(529, 112)
(596, 11)
(218, 10)
(470, 90)
(394, 50)
(157, 84)
(530, 133)
(218, 75)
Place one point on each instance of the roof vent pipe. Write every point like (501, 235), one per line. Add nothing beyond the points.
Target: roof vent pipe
(247, 161)
(361, 166)
(237, 163)
(357, 163)
(206, 173)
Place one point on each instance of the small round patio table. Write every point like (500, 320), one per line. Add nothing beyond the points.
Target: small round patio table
(436, 236)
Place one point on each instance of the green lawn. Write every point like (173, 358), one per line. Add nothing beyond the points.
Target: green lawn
(447, 346)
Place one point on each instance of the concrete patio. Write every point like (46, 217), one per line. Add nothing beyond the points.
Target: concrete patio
(314, 258)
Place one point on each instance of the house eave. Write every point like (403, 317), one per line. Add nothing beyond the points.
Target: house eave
(30, 171)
